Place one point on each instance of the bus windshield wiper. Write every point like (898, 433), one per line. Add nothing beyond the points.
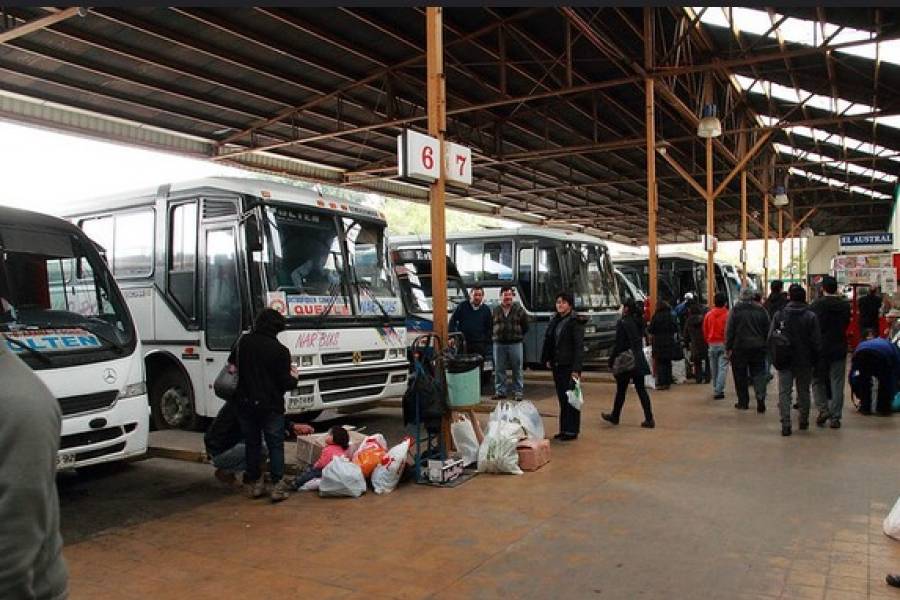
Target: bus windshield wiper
(109, 340)
(33, 351)
(364, 287)
(333, 291)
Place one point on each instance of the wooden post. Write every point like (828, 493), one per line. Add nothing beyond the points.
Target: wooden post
(780, 243)
(437, 125)
(650, 114)
(766, 237)
(744, 229)
(710, 227)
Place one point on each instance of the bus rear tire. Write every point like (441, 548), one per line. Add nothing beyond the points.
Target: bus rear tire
(171, 402)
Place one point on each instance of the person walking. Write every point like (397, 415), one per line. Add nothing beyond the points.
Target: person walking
(714, 333)
(31, 557)
(663, 333)
(875, 358)
(693, 335)
(746, 332)
(777, 298)
(510, 324)
(869, 310)
(563, 353)
(801, 327)
(472, 318)
(833, 312)
(629, 336)
(264, 375)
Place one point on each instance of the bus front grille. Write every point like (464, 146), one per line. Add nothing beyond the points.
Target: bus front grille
(343, 358)
(355, 393)
(72, 405)
(100, 452)
(342, 382)
(89, 437)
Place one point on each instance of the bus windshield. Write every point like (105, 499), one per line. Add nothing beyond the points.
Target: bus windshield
(415, 281)
(593, 278)
(57, 297)
(312, 273)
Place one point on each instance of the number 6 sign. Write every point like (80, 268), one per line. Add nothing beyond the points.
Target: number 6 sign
(417, 159)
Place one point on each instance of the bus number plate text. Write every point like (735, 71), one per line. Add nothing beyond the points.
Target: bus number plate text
(64, 461)
(299, 403)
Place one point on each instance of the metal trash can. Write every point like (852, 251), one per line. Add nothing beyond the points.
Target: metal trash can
(463, 379)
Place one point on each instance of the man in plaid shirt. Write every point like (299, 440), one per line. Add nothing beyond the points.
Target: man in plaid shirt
(510, 322)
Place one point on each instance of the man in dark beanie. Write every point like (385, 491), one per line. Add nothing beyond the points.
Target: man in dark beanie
(833, 312)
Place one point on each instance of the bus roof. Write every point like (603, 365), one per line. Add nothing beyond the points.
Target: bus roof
(529, 232)
(626, 257)
(263, 189)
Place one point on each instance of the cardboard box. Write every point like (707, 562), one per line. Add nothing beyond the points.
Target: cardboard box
(533, 454)
(442, 471)
(309, 447)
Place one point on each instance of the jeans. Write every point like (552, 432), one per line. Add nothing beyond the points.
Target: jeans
(787, 379)
(569, 417)
(622, 382)
(306, 476)
(749, 366)
(508, 356)
(271, 426)
(718, 365)
(831, 375)
(234, 459)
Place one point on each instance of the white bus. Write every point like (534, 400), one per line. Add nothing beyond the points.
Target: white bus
(62, 313)
(198, 260)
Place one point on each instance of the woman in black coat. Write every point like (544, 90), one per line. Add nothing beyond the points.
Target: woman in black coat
(563, 352)
(663, 332)
(630, 337)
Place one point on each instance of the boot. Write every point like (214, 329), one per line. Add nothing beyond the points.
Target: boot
(609, 418)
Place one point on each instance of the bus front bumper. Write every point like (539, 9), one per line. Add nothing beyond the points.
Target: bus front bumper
(115, 433)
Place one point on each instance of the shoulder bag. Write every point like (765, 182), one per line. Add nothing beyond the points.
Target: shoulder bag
(226, 384)
(624, 363)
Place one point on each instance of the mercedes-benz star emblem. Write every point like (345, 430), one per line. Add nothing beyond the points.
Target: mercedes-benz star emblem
(110, 376)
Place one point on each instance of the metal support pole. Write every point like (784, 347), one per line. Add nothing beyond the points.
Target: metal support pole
(437, 125)
(780, 244)
(650, 114)
(743, 229)
(765, 241)
(710, 226)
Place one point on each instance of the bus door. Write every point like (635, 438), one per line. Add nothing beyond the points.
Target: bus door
(221, 303)
(548, 282)
(526, 280)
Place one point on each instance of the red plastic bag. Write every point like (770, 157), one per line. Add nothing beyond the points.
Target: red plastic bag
(368, 459)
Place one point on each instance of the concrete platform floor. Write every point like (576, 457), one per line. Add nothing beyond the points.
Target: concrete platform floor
(714, 503)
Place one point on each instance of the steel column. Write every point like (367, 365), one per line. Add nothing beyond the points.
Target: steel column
(743, 228)
(710, 226)
(650, 114)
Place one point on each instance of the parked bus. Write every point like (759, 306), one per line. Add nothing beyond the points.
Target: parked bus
(680, 273)
(538, 264)
(198, 260)
(413, 269)
(629, 291)
(62, 313)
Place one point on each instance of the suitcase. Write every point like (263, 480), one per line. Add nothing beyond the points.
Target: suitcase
(533, 454)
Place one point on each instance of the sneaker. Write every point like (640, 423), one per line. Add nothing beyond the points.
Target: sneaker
(835, 424)
(718, 396)
(518, 397)
(740, 406)
(648, 424)
(822, 419)
(559, 436)
(785, 430)
(498, 397)
(609, 418)
(255, 489)
(280, 491)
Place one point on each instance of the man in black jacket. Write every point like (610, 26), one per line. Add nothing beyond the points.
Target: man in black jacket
(833, 312)
(264, 375)
(473, 320)
(869, 307)
(563, 352)
(746, 332)
(802, 329)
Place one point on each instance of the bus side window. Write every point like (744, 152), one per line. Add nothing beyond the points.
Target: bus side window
(526, 266)
(183, 257)
(549, 279)
(498, 261)
(469, 260)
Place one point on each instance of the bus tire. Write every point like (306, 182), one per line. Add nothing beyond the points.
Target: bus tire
(172, 403)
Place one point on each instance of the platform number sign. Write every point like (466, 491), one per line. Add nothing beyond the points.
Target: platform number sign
(417, 159)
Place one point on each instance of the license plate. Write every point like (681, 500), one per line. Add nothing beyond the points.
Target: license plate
(64, 461)
(300, 403)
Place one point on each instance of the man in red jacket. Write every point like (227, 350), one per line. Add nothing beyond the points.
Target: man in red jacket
(714, 332)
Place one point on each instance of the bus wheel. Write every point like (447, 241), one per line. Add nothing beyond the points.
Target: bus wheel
(305, 417)
(171, 403)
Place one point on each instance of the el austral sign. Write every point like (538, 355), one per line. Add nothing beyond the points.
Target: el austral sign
(866, 242)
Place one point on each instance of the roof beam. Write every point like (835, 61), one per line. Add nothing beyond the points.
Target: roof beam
(41, 23)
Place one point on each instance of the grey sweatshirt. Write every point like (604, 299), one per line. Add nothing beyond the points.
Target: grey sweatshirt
(31, 561)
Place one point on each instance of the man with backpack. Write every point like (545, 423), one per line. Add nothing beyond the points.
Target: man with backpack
(795, 343)
(745, 345)
(833, 312)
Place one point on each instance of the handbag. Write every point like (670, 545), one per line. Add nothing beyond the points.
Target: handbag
(624, 363)
(226, 384)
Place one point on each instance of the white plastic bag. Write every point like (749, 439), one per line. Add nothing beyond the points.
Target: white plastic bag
(507, 412)
(312, 485)
(891, 525)
(341, 477)
(576, 400)
(531, 420)
(463, 433)
(679, 371)
(649, 379)
(497, 453)
(386, 476)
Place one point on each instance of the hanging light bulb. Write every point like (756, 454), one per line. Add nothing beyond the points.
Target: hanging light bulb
(709, 126)
(780, 198)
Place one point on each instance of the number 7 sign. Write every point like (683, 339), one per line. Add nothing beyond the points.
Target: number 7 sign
(458, 163)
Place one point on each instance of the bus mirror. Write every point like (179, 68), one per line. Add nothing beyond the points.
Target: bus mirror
(251, 230)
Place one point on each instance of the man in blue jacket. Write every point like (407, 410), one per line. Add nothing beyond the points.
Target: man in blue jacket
(875, 358)
(473, 320)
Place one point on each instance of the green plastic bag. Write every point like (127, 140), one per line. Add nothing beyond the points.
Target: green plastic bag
(574, 395)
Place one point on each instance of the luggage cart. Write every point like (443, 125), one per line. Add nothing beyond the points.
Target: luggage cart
(425, 403)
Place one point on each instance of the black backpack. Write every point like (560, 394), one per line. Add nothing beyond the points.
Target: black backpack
(780, 343)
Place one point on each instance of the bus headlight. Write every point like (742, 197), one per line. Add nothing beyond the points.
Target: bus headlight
(132, 390)
(396, 353)
(306, 360)
(590, 329)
